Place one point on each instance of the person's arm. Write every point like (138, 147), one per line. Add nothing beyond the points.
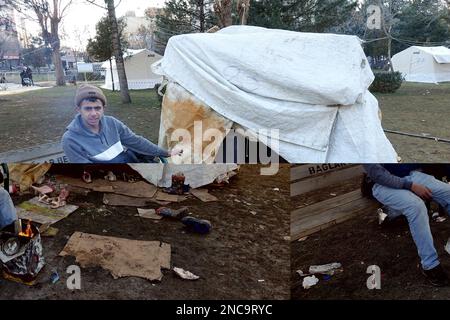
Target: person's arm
(378, 174)
(73, 151)
(139, 144)
(7, 210)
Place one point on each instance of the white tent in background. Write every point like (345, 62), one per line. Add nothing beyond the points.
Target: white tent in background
(423, 64)
(138, 69)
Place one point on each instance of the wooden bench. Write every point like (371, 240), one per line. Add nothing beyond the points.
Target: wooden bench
(318, 216)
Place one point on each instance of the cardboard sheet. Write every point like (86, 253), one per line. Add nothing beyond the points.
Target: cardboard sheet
(122, 257)
(203, 195)
(41, 212)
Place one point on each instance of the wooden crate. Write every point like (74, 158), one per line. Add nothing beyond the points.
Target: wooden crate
(321, 215)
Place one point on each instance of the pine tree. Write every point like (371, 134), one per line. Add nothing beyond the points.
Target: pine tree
(101, 48)
(180, 17)
(300, 15)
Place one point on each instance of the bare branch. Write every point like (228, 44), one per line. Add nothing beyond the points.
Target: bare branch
(95, 4)
(65, 8)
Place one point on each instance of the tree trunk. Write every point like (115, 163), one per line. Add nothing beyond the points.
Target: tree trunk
(391, 67)
(201, 6)
(118, 54)
(56, 47)
(243, 7)
(223, 9)
(56, 56)
(112, 74)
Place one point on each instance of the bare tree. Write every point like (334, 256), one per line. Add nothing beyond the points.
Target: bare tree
(390, 9)
(49, 15)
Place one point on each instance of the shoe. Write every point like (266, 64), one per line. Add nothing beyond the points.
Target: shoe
(197, 225)
(436, 276)
(171, 213)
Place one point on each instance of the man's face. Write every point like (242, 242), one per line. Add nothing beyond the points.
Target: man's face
(91, 112)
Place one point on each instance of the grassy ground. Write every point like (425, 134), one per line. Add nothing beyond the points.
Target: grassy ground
(39, 117)
(419, 109)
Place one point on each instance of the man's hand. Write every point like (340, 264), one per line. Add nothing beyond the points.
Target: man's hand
(421, 191)
(175, 152)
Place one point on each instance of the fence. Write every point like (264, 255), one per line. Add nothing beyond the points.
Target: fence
(49, 76)
(14, 77)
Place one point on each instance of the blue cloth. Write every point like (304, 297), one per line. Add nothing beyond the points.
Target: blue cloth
(7, 210)
(115, 143)
(401, 170)
(405, 202)
(386, 175)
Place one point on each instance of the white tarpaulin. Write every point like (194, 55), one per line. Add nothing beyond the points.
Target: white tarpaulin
(195, 175)
(294, 82)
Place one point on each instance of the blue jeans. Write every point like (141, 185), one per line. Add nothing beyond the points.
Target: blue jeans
(406, 202)
(7, 210)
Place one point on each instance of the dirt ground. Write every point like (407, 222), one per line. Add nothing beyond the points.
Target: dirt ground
(245, 256)
(359, 243)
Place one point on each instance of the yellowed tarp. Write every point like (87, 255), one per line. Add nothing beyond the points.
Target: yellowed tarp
(27, 174)
(182, 110)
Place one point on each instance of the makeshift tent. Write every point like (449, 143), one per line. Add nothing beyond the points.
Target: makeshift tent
(313, 88)
(138, 69)
(159, 175)
(423, 64)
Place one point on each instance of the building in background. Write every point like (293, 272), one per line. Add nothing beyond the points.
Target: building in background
(9, 41)
(139, 30)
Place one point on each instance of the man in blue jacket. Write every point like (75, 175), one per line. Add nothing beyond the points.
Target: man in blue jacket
(93, 137)
(403, 189)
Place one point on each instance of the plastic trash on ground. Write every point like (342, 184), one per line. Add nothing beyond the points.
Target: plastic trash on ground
(329, 269)
(308, 282)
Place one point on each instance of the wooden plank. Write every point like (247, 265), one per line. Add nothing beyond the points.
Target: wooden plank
(307, 185)
(49, 152)
(325, 205)
(323, 217)
(323, 226)
(311, 170)
(311, 224)
(336, 220)
(319, 218)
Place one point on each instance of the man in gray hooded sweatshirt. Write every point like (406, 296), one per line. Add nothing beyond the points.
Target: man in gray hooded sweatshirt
(93, 137)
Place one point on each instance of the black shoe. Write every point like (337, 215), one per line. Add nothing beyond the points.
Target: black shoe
(436, 276)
